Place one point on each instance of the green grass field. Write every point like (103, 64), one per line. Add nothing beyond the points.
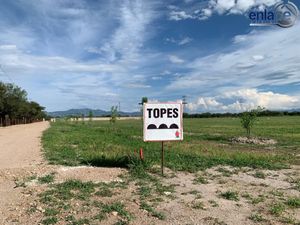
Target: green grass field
(206, 144)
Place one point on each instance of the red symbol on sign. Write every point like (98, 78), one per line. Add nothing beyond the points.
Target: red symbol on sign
(177, 134)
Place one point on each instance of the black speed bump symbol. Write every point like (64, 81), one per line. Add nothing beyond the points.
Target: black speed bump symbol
(162, 126)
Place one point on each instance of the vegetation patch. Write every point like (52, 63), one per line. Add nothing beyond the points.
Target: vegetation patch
(259, 174)
(77, 196)
(225, 172)
(152, 211)
(277, 209)
(293, 202)
(257, 218)
(200, 180)
(46, 179)
(230, 195)
(198, 205)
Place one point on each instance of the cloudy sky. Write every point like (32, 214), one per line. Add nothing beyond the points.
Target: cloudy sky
(89, 53)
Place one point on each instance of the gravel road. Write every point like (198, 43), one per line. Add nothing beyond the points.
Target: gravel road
(20, 145)
(19, 150)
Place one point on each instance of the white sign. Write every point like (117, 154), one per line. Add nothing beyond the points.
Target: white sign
(163, 122)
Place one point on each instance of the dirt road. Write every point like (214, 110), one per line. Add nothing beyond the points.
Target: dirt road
(20, 145)
(19, 148)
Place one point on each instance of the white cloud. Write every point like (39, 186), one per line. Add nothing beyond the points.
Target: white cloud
(258, 57)
(137, 85)
(237, 6)
(243, 100)
(15, 60)
(220, 7)
(8, 47)
(179, 15)
(175, 59)
(165, 72)
(156, 78)
(182, 41)
(265, 58)
(185, 40)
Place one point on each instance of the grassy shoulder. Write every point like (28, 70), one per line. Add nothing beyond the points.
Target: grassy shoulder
(206, 144)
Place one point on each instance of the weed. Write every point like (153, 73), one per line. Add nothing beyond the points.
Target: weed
(81, 221)
(144, 191)
(46, 179)
(257, 200)
(100, 216)
(225, 172)
(121, 222)
(117, 207)
(257, 218)
(104, 192)
(50, 212)
(259, 174)
(19, 183)
(277, 209)
(200, 180)
(247, 196)
(152, 211)
(32, 209)
(198, 205)
(296, 184)
(277, 193)
(230, 195)
(293, 202)
(213, 203)
(162, 189)
(193, 192)
(49, 220)
(288, 220)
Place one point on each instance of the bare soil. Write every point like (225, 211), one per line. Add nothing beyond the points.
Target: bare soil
(254, 140)
(220, 195)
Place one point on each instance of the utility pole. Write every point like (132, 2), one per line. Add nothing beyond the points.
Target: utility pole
(119, 110)
(184, 102)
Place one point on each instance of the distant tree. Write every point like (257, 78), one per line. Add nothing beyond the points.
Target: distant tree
(249, 118)
(144, 100)
(113, 114)
(15, 106)
(91, 115)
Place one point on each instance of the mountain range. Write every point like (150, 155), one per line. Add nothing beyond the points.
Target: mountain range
(86, 111)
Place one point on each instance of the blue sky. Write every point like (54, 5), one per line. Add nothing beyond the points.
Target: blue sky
(89, 53)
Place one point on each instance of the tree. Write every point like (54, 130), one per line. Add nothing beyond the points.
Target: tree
(15, 106)
(144, 100)
(249, 118)
(91, 115)
(113, 114)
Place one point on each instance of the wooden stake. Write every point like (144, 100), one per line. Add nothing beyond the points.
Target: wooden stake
(162, 158)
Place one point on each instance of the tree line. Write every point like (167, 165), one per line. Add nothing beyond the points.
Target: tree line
(259, 114)
(15, 108)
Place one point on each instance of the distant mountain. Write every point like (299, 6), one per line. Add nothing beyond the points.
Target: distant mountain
(294, 110)
(85, 112)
